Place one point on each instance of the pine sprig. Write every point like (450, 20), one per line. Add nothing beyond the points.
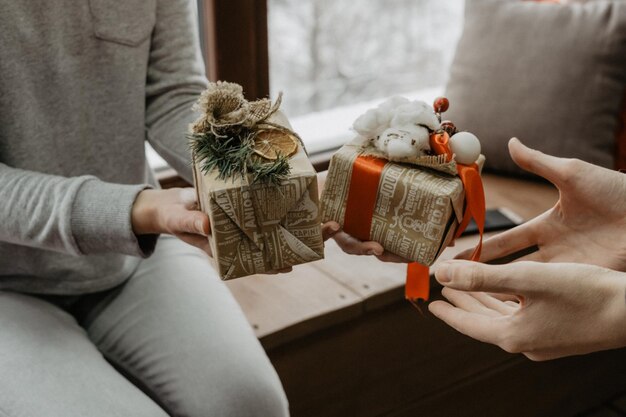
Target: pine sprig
(273, 173)
(234, 156)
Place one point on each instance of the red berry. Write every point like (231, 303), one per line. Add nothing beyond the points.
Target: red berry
(449, 127)
(441, 104)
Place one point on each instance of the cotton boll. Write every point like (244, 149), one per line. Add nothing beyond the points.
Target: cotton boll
(400, 113)
(466, 147)
(391, 104)
(421, 136)
(397, 149)
(383, 118)
(415, 112)
(407, 142)
(368, 124)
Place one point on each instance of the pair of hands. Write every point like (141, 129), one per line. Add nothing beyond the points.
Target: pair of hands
(566, 298)
(175, 212)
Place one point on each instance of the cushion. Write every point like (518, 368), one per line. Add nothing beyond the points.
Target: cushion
(554, 75)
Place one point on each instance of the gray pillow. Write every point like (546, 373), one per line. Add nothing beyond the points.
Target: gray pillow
(554, 75)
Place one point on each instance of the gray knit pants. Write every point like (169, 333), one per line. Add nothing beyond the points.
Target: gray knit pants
(171, 341)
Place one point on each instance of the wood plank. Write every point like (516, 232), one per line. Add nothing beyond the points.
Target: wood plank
(526, 198)
(286, 306)
(377, 282)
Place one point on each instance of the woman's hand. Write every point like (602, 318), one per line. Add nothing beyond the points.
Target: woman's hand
(354, 246)
(173, 211)
(587, 224)
(562, 309)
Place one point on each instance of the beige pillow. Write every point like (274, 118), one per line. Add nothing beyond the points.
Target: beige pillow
(553, 75)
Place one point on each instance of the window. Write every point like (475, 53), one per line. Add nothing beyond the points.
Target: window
(333, 59)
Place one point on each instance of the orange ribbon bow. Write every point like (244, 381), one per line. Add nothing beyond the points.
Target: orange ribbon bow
(362, 194)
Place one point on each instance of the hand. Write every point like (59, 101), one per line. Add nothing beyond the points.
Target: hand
(174, 212)
(354, 246)
(587, 224)
(561, 309)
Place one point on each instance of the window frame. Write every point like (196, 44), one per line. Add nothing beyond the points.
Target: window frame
(240, 55)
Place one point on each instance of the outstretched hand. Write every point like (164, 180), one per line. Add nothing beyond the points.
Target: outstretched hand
(561, 309)
(587, 224)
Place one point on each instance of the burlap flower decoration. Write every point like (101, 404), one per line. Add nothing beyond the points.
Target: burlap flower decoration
(236, 137)
(222, 107)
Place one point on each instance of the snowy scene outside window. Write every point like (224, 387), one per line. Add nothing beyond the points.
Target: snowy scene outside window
(335, 58)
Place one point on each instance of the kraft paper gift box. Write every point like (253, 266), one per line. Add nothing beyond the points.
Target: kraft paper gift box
(258, 228)
(412, 211)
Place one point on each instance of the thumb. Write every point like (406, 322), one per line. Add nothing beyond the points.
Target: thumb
(195, 222)
(516, 278)
(531, 160)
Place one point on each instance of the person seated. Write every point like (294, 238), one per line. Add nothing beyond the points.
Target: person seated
(99, 316)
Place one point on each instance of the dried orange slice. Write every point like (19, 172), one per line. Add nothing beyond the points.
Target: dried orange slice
(271, 143)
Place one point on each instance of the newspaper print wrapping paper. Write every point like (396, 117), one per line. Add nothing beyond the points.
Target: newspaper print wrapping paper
(257, 228)
(417, 209)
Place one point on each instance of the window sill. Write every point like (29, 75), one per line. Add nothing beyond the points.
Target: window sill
(322, 133)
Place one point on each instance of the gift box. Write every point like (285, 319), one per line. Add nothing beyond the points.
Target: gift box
(411, 211)
(257, 228)
(256, 184)
(409, 181)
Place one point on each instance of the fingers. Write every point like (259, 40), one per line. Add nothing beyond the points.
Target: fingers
(354, 246)
(506, 298)
(508, 242)
(194, 222)
(392, 257)
(467, 302)
(494, 304)
(515, 278)
(484, 328)
(329, 229)
(549, 167)
(188, 197)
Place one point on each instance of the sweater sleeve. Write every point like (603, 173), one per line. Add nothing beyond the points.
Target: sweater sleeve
(80, 215)
(174, 82)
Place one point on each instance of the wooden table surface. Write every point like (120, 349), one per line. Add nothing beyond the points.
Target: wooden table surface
(342, 287)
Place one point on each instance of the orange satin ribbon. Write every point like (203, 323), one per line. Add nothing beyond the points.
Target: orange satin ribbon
(362, 194)
(418, 276)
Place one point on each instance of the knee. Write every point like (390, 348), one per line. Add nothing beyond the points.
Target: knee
(250, 392)
(258, 395)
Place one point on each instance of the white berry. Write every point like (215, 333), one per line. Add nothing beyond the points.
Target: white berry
(466, 147)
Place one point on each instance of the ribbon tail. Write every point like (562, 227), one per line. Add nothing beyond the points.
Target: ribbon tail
(417, 282)
(474, 204)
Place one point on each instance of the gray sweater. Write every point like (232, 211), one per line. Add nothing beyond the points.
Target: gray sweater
(82, 85)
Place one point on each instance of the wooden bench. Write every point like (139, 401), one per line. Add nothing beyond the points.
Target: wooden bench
(346, 343)
(341, 287)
